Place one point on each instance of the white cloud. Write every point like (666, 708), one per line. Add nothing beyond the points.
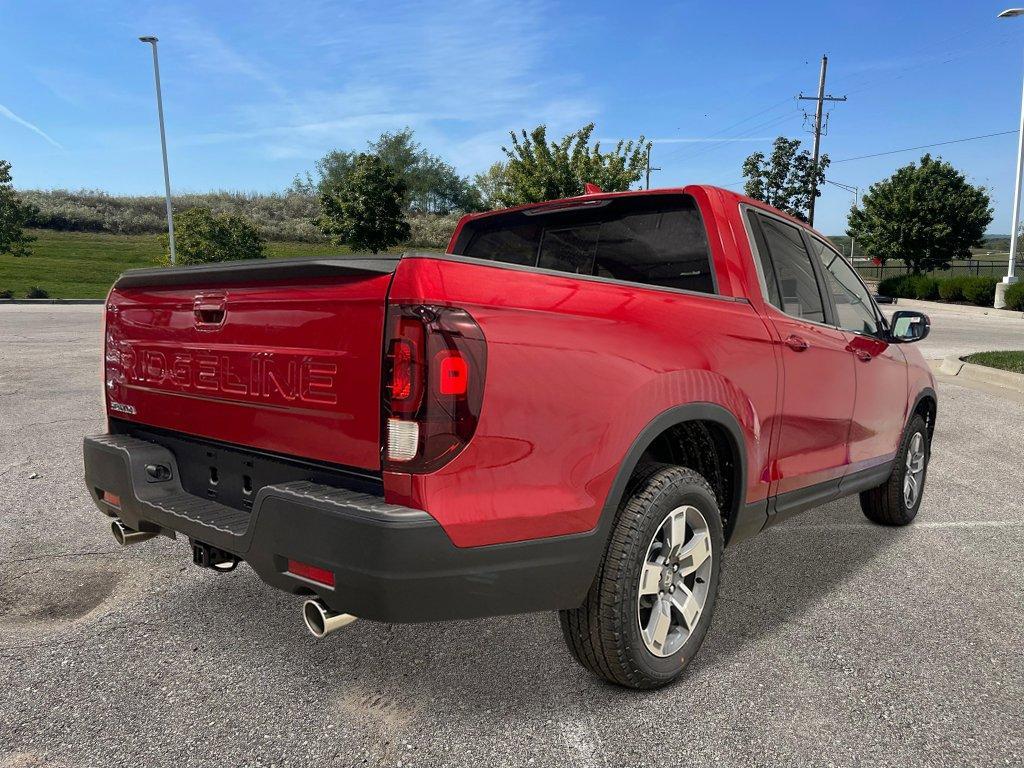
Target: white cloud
(25, 123)
(460, 76)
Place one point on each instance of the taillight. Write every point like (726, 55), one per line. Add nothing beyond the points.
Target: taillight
(433, 385)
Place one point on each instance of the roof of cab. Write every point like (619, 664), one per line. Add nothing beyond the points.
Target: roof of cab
(727, 194)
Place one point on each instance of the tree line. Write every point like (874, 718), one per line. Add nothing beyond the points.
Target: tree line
(925, 214)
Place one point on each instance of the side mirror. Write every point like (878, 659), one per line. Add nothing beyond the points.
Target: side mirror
(908, 326)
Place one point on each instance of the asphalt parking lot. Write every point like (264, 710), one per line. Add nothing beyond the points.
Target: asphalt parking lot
(835, 642)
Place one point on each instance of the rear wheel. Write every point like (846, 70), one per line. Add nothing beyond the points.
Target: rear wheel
(651, 603)
(897, 501)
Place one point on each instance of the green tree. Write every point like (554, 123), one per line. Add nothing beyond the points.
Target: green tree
(364, 210)
(537, 170)
(787, 180)
(431, 184)
(202, 237)
(490, 186)
(925, 214)
(14, 215)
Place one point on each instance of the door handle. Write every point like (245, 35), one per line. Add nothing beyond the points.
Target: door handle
(863, 355)
(209, 310)
(796, 343)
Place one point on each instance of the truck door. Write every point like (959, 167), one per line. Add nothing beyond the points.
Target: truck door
(818, 389)
(879, 413)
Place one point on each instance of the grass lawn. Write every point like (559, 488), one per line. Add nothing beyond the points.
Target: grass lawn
(1007, 361)
(83, 265)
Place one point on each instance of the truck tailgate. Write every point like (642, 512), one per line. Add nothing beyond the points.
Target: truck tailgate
(279, 356)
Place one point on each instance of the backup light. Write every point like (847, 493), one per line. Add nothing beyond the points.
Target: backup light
(403, 439)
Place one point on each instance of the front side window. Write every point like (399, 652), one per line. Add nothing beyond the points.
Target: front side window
(854, 311)
(797, 286)
(652, 239)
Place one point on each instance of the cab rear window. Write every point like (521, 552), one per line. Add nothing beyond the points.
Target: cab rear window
(651, 239)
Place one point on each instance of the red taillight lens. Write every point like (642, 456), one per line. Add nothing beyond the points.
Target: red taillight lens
(453, 371)
(434, 369)
(401, 369)
(311, 572)
(112, 499)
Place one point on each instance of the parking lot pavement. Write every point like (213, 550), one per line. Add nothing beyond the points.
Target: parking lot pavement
(835, 642)
(959, 330)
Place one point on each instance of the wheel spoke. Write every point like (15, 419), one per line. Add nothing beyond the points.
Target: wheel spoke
(696, 551)
(910, 489)
(675, 531)
(687, 604)
(660, 623)
(649, 579)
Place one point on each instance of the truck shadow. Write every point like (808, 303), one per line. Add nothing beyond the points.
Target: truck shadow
(780, 577)
(389, 673)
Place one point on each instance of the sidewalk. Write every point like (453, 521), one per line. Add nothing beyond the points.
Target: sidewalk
(953, 309)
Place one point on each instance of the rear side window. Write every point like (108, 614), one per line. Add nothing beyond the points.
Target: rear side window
(656, 240)
(797, 291)
(854, 310)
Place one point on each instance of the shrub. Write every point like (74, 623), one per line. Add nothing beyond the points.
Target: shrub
(431, 231)
(924, 287)
(893, 286)
(202, 237)
(1015, 297)
(952, 288)
(910, 287)
(980, 291)
(7, 294)
(36, 292)
(279, 216)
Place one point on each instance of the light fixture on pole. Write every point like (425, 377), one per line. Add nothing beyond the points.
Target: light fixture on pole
(1010, 278)
(152, 40)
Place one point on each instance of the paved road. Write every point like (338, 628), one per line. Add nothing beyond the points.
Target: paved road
(834, 643)
(959, 330)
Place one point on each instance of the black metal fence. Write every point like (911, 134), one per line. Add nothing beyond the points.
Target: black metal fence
(989, 267)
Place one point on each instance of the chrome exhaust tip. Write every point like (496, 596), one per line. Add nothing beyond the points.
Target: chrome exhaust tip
(125, 535)
(321, 620)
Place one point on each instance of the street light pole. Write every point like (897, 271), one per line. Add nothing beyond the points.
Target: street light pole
(1010, 278)
(152, 40)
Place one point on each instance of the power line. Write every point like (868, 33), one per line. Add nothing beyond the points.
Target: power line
(924, 146)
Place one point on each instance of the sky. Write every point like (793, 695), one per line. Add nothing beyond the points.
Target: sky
(255, 92)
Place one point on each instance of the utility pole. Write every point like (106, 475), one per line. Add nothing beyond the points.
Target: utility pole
(821, 98)
(152, 40)
(647, 183)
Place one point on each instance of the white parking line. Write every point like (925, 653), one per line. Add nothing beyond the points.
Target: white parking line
(936, 524)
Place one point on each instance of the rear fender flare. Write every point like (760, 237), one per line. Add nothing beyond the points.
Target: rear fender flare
(670, 418)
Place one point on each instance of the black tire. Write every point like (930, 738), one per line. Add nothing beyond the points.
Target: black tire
(886, 504)
(604, 633)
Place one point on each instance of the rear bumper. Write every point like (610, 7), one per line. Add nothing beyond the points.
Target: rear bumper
(390, 563)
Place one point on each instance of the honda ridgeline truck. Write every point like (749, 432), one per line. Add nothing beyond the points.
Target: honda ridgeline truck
(575, 408)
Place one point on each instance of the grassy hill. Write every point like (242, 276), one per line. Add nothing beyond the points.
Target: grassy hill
(82, 265)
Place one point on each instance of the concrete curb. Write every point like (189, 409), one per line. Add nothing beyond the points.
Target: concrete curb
(954, 366)
(52, 301)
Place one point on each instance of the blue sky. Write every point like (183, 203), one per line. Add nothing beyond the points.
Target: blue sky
(255, 92)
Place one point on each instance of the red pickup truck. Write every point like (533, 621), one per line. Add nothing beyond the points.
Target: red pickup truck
(576, 408)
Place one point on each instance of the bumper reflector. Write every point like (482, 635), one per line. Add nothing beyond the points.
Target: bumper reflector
(311, 572)
(111, 498)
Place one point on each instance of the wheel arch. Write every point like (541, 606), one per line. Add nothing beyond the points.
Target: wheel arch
(664, 423)
(926, 403)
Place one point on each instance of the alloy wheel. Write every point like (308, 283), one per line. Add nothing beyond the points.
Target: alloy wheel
(674, 581)
(913, 478)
